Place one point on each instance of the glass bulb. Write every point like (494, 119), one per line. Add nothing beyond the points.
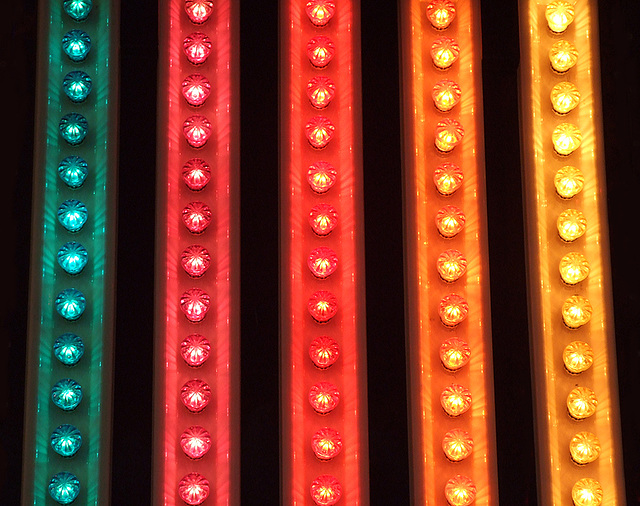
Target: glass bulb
(76, 44)
(587, 492)
(454, 353)
(66, 394)
(72, 257)
(195, 395)
(198, 10)
(563, 56)
(568, 181)
(324, 351)
(576, 311)
(197, 130)
(559, 15)
(196, 174)
(453, 310)
(450, 220)
(320, 51)
(197, 47)
(326, 443)
(457, 445)
(72, 215)
(195, 442)
(195, 260)
(195, 350)
(451, 265)
(565, 97)
(321, 176)
(566, 139)
(77, 86)
(455, 400)
(78, 10)
(448, 135)
(577, 357)
(448, 178)
(584, 448)
(73, 128)
(195, 303)
(323, 218)
(66, 440)
(70, 304)
(193, 489)
(320, 11)
(322, 306)
(571, 225)
(73, 170)
(574, 268)
(197, 217)
(64, 487)
(326, 490)
(441, 13)
(68, 348)
(319, 131)
(324, 397)
(320, 90)
(196, 89)
(322, 262)
(444, 52)
(460, 491)
(582, 403)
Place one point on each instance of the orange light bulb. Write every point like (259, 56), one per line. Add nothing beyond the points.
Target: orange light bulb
(566, 138)
(451, 265)
(454, 353)
(574, 268)
(563, 56)
(587, 492)
(457, 445)
(448, 178)
(446, 95)
(455, 400)
(577, 357)
(444, 52)
(559, 14)
(453, 310)
(565, 97)
(460, 491)
(441, 13)
(576, 311)
(571, 225)
(582, 403)
(450, 220)
(568, 181)
(448, 134)
(584, 448)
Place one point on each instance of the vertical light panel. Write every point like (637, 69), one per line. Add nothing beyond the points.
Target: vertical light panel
(571, 319)
(196, 419)
(447, 278)
(71, 306)
(323, 370)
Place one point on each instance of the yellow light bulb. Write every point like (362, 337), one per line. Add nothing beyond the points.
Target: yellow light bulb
(587, 492)
(577, 357)
(457, 445)
(566, 138)
(584, 448)
(441, 13)
(565, 97)
(455, 400)
(444, 51)
(448, 178)
(574, 268)
(576, 311)
(559, 15)
(446, 94)
(563, 56)
(582, 403)
(571, 225)
(454, 353)
(569, 181)
(460, 491)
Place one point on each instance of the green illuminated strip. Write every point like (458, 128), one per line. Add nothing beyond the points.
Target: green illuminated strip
(94, 370)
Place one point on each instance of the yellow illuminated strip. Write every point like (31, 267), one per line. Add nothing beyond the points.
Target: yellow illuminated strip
(557, 317)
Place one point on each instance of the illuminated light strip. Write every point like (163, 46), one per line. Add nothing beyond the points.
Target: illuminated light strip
(557, 474)
(303, 473)
(48, 476)
(435, 477)
(190, 135)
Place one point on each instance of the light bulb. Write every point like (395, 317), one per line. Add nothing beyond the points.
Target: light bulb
(197, 130)
(584, 448)
(197, 47)
(451, 265)
(320, 11)
(66, 440)
(321, 176)
(320, 91)
(320, 51)
(454, 353)
(78, 10)
(574, 268)
(193, 489)
(324, 397)
(565, 97)
(72, 215)
(460, 491)
(448, 134)
(563, 56)
(76, 44)
(73, 128)
(455, 400)
(196, 89)
(326, 443)
(566, 138)
(450, 220)
(196, 174)
(324, 351)
(195, 260)
(195, 350)
(195, 442)
(326, 490)
(568, 181)
(68, 348)
(322, 306)
(576, 311)
(441, 13)
(64, 487)
(198, 11)
(577, 357)
(323, 218)
(581, 403)
(571, 225)
(195, 303)
(453, 310)
(444, 52)
(448, 178)
(70, 304)
(197, 216)
(587, 492)
(66, 394)
(77, 86)
(73, 257)
(457, 445)
(322, 262)
(195, 395)
(319, 131)
(73, 170)
(559, 14)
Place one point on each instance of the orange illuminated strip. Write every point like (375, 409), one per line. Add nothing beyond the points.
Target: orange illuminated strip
(197, 408)
(451, 381)
(569, 272)
(321, 188)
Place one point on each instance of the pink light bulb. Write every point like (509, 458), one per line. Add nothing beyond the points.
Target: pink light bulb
(197, 130)
(198, 10)
(197, 217)
(195, 395)
(195, 442)
(195, 260)
(193, 489)
(195, 350)
(196, 174)
(197, 47)
(196, 89)
(195, 304)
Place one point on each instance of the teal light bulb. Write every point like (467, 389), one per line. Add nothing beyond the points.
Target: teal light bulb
(66, 394)
(73, 128)
(72, 215)
(73, 257)
(64, 487)
(77, 85)
(68, 348)
(66, 440)
(73, 170)
(77, 9)
(70, 304)
(76, 44)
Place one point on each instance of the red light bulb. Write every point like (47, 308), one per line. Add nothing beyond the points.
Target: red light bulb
(450, 220)
(326, 490)
(198, 10)
(197, 47)
(320, 90)
(321, 176)
(453, 310)
(196, 216)
(195, 350)
(319, 131)
(322, 262)
(323, 306)
(196, 174)
(324, 351)
(326, 443)
(194, 304)
(196, 89)
(197, 130)
(195, 260)
(195, 442)
(320, 11)
(323, 218)
(195, 395)
(324, 397)
(193, 488)
(320, 51)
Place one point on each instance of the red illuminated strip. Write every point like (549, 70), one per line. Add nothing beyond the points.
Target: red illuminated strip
(324, 422)
(197, 340)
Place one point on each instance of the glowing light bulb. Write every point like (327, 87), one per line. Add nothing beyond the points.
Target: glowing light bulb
(73, 128)
(323, 218)
(70, 304)
(196, 174)
(193, 489)
(448, 178)
(444, 52)
(320, 90)
(453, 310)
(565, 97)
(574, 268)
(198, 10)
(450, 220)
(73, 170)
(197, 47)
(326, 490)
(78, 10)
(64, 487)
(196, 89)
(324, 351)
(577, 357)
(319, 131)
(195, 350)
(566, 139)
(326, 443)
(195, 442)
(195, 395)
(448, 135)
(559, 15)
(66, 394)
(587, 492)
(66, 440)
(568, 181)
(460, 491)
(321, 176)
(195, 303)
(320, 11)
(73, 257)
(322, 306)
(76, 44)
(72, 215)
(195, 260)
(197, 217)
(455, 400)
(197, 130)
(582, 403)
(576, 311)
(451, 265)
(454, 353)
(584, 448)
(457, 445)
(446, 95)
(77, 86)
(563, 56)
(571, 225)
(324, 397)
(320, 51)
(441, 13)
(322, 262)
(68, 348)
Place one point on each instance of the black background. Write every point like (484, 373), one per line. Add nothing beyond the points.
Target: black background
(389, 457)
